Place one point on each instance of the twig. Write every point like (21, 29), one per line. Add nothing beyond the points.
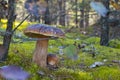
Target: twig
(20, 23)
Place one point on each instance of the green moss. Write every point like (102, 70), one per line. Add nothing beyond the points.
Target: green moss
(106, 73)
(115, 43)
(92, 40)
(69, 74)
(21, 54)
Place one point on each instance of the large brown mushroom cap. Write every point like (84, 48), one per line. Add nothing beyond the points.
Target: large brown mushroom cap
(43, 31)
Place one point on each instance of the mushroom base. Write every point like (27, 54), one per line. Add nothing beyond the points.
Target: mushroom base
(40, 53)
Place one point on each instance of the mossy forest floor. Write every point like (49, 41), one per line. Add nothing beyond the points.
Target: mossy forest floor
(21, 52)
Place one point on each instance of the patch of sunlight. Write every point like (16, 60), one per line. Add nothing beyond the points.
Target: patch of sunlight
(4, 20)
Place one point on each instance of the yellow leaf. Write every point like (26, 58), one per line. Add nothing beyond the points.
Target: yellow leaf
(115, 5)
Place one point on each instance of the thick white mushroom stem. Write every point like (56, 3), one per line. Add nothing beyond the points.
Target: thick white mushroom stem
(40, 53)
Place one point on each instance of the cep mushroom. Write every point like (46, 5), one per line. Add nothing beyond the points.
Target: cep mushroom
(43, 33)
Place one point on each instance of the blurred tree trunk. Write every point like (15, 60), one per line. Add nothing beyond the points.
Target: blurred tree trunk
(87, 15)
(82, 15)
(62, 4)
(9, 32)
(47, 14)
(87, 18)
(3, 9)
(76, 13)
(105, 27)
(0, 12)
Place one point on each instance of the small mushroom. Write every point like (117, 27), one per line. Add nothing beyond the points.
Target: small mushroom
(13, 72)
(43, 33)
(52, 60)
